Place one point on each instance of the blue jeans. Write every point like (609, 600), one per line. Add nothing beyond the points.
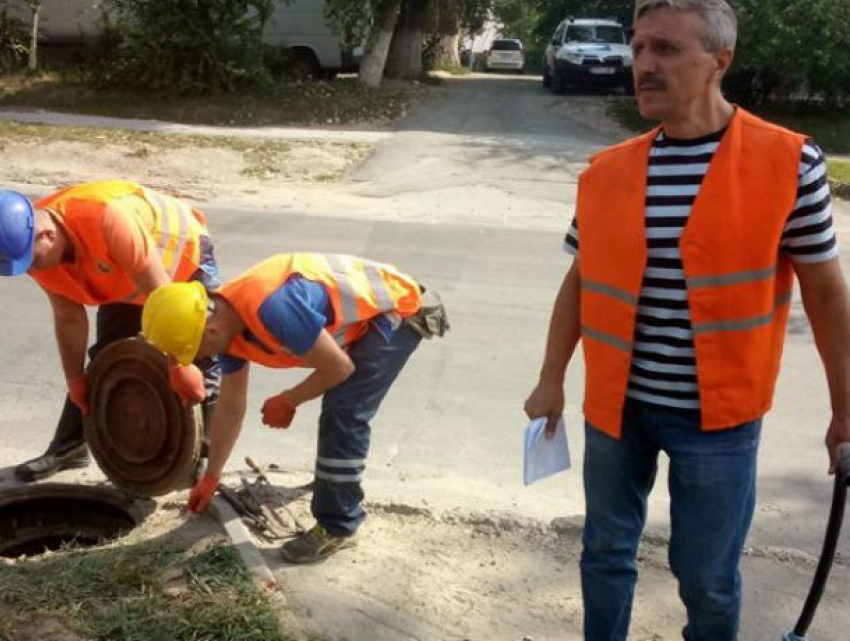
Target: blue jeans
(344, 429)
(712, 485)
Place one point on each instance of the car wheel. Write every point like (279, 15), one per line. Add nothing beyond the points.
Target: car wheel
(559, 82)
(304, 65)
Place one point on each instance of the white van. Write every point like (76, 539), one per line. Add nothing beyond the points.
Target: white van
(299, 26)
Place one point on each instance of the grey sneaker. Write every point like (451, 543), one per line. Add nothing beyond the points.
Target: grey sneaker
(48, 464)
(315, 545)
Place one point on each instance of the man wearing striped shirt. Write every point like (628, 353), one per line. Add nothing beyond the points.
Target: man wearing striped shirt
(686, 241)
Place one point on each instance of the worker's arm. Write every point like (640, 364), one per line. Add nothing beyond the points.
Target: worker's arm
(227, 418)
(331, 366)
(547, 398)
(824, 293)
(71, 325)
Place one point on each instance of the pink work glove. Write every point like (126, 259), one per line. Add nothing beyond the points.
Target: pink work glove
(203, 492)
(278, 411)
(188, 382)
(78, 391)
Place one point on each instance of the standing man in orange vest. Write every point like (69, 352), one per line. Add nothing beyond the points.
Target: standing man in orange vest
(352, 321)
(106, 244)
(686, 241)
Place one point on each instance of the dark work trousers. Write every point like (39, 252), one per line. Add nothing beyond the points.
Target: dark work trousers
(344, 430)
(117, 321)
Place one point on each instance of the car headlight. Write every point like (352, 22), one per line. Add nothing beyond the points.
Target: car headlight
(628, 61)
(573, 57)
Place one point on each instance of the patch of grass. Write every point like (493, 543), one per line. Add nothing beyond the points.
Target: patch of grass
(839, 170)
(119, 592)
(831, 130)
(458, 70)
(344, 101)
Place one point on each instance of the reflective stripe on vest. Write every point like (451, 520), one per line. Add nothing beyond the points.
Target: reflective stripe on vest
(358, 289)
(738, 284)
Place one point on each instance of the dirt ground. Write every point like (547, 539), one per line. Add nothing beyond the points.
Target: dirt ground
(261, 177)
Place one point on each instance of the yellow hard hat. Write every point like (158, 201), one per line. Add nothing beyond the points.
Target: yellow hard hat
(174, 318)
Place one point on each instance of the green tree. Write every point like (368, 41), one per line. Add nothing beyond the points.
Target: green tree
(187, 46)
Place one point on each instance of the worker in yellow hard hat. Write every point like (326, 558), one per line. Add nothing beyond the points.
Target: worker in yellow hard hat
(352, 321)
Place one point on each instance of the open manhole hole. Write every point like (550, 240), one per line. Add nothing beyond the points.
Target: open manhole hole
(37, 518)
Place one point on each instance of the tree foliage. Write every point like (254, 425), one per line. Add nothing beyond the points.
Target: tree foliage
(788, 50)
(186, 46)
(13, 40)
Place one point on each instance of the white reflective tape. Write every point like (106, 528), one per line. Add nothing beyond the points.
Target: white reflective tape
(735, 278)
(379, 287)
(338, 478)
(340, 462)
(348, 299)
(741, 324)
(609, 290)
(608, 339)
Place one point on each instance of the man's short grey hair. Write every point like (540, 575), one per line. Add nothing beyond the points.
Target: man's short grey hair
(721, 25)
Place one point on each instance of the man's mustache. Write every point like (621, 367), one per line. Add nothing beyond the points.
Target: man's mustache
(651, 82)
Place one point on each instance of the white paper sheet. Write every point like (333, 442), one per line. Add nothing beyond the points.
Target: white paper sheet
(544, 457)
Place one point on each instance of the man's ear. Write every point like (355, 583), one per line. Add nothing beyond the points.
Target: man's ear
(724, 60)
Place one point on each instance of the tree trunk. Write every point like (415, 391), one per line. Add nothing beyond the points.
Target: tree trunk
(372, 65)
(33, 57)
(449, 56)
(405, 57)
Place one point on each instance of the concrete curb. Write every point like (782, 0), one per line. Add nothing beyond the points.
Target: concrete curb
(238, 534)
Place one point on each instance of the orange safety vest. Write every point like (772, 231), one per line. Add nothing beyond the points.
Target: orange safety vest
(95, 278)
(359, 290)
(738, 284)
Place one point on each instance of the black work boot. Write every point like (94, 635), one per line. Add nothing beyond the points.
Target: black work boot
(41, 467)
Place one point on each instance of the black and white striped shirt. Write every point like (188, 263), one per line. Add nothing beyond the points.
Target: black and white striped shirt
(663, 370)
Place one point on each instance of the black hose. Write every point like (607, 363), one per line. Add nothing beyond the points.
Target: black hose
(833, 529)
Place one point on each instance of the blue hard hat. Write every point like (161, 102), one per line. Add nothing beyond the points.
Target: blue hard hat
(17, 233)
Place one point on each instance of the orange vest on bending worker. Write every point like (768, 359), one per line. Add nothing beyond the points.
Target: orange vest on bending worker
(95, 278)
(359, 290)
(738, 284)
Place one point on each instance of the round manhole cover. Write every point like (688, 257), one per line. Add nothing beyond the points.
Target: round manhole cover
(138, 432)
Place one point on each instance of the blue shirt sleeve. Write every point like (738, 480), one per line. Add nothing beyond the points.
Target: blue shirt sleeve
(230, 364)
(296, 313)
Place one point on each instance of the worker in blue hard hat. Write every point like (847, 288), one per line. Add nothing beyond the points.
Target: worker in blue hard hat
(106, 244)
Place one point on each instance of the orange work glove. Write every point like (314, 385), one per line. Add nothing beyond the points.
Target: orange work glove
(203, 492)
(188, 382)
(78, 390)
(278, 411)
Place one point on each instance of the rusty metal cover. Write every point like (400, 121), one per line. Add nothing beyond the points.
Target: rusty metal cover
(138, 432)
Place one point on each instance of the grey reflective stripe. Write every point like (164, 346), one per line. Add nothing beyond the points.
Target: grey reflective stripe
(736, 278)
(604, 337)
(608, 290)
(376, 282)
(338, 478)
(339, 337)
(743, 323)
(340, 462)
(348, 299)
(183, 222)
(164, 239)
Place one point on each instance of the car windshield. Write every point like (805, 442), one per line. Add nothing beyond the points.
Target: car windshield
(603, 34)
(506, 45)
